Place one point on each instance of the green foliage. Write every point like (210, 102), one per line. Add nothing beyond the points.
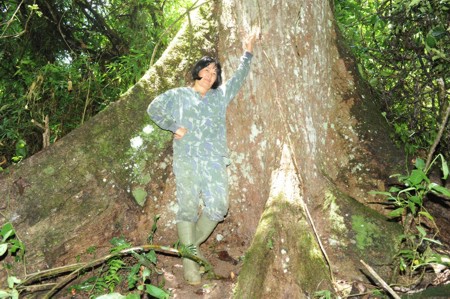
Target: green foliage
(153, 230)
(68, 61)
(417, 252)
(12, 291)
(402, 48)
(324, 294)
(420, 230)
(118, 271)
(413, 189)
(10, 245)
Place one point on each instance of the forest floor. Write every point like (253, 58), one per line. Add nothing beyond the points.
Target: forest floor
(225, 250)
(225, 256)
(226, 265)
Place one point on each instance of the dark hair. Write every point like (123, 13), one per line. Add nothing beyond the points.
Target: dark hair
(204, 62)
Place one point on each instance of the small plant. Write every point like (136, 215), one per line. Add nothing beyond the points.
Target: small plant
(323, 294)
(10, 245)
(21, 151)
(125, 268)
(120, 271)
(408, 199)
(417, 252)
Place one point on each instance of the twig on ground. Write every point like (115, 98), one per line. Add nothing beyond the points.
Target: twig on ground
(380, 280)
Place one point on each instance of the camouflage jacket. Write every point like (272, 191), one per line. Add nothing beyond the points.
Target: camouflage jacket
(204, 118)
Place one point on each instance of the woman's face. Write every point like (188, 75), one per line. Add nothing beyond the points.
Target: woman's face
(208, 76)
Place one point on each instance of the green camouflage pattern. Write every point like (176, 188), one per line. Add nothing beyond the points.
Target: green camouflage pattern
(198, 155)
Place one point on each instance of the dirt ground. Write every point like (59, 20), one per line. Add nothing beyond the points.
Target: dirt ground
(224, 250)
(225, 255)
(226, 265)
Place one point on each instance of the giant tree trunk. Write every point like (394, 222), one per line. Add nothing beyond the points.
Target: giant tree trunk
(307, 143)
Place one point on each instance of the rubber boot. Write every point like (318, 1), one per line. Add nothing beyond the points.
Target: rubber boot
(203, 230)
(186, 234)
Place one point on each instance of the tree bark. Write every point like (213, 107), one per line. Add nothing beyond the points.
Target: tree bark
(306, 138)
(305, 95)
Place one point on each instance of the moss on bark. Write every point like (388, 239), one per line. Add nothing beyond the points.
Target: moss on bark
(285, 244)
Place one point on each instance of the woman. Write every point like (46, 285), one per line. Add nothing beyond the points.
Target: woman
(196, 115)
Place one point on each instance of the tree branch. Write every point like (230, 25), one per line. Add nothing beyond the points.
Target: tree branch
(381, 281)
(75, 269)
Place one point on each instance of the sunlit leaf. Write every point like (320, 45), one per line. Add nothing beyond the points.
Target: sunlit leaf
(156, 292)
(433, 241)
(112, 296)
(3, 249)
(444, 167)
(12, 280)
(439, 189)
(426, 214)
(413, 3)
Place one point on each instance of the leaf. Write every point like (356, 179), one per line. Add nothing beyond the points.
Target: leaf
(430, 40)
(420, 164)
(16, 245)
(394, 189)
(413, 3)
(156, 292)
(417, 176)
(4, 107)
(386, 72)
(412, 207)
(112, 296)
(12, 280)
(151, 255)
(132, 276)
(396, 213)
(426, 214)
(444, 167)
(416, 199)
(3, 249)
(7, 231)
(433, 241)
(422, 231)
(146, 273)
(119, 244)
(438, 31)
(4, 294)
(439, 189)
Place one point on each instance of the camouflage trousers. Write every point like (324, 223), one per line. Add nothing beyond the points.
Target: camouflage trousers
(201, 181)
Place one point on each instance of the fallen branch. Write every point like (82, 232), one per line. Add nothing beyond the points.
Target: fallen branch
(74, 270)
(380, 280)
